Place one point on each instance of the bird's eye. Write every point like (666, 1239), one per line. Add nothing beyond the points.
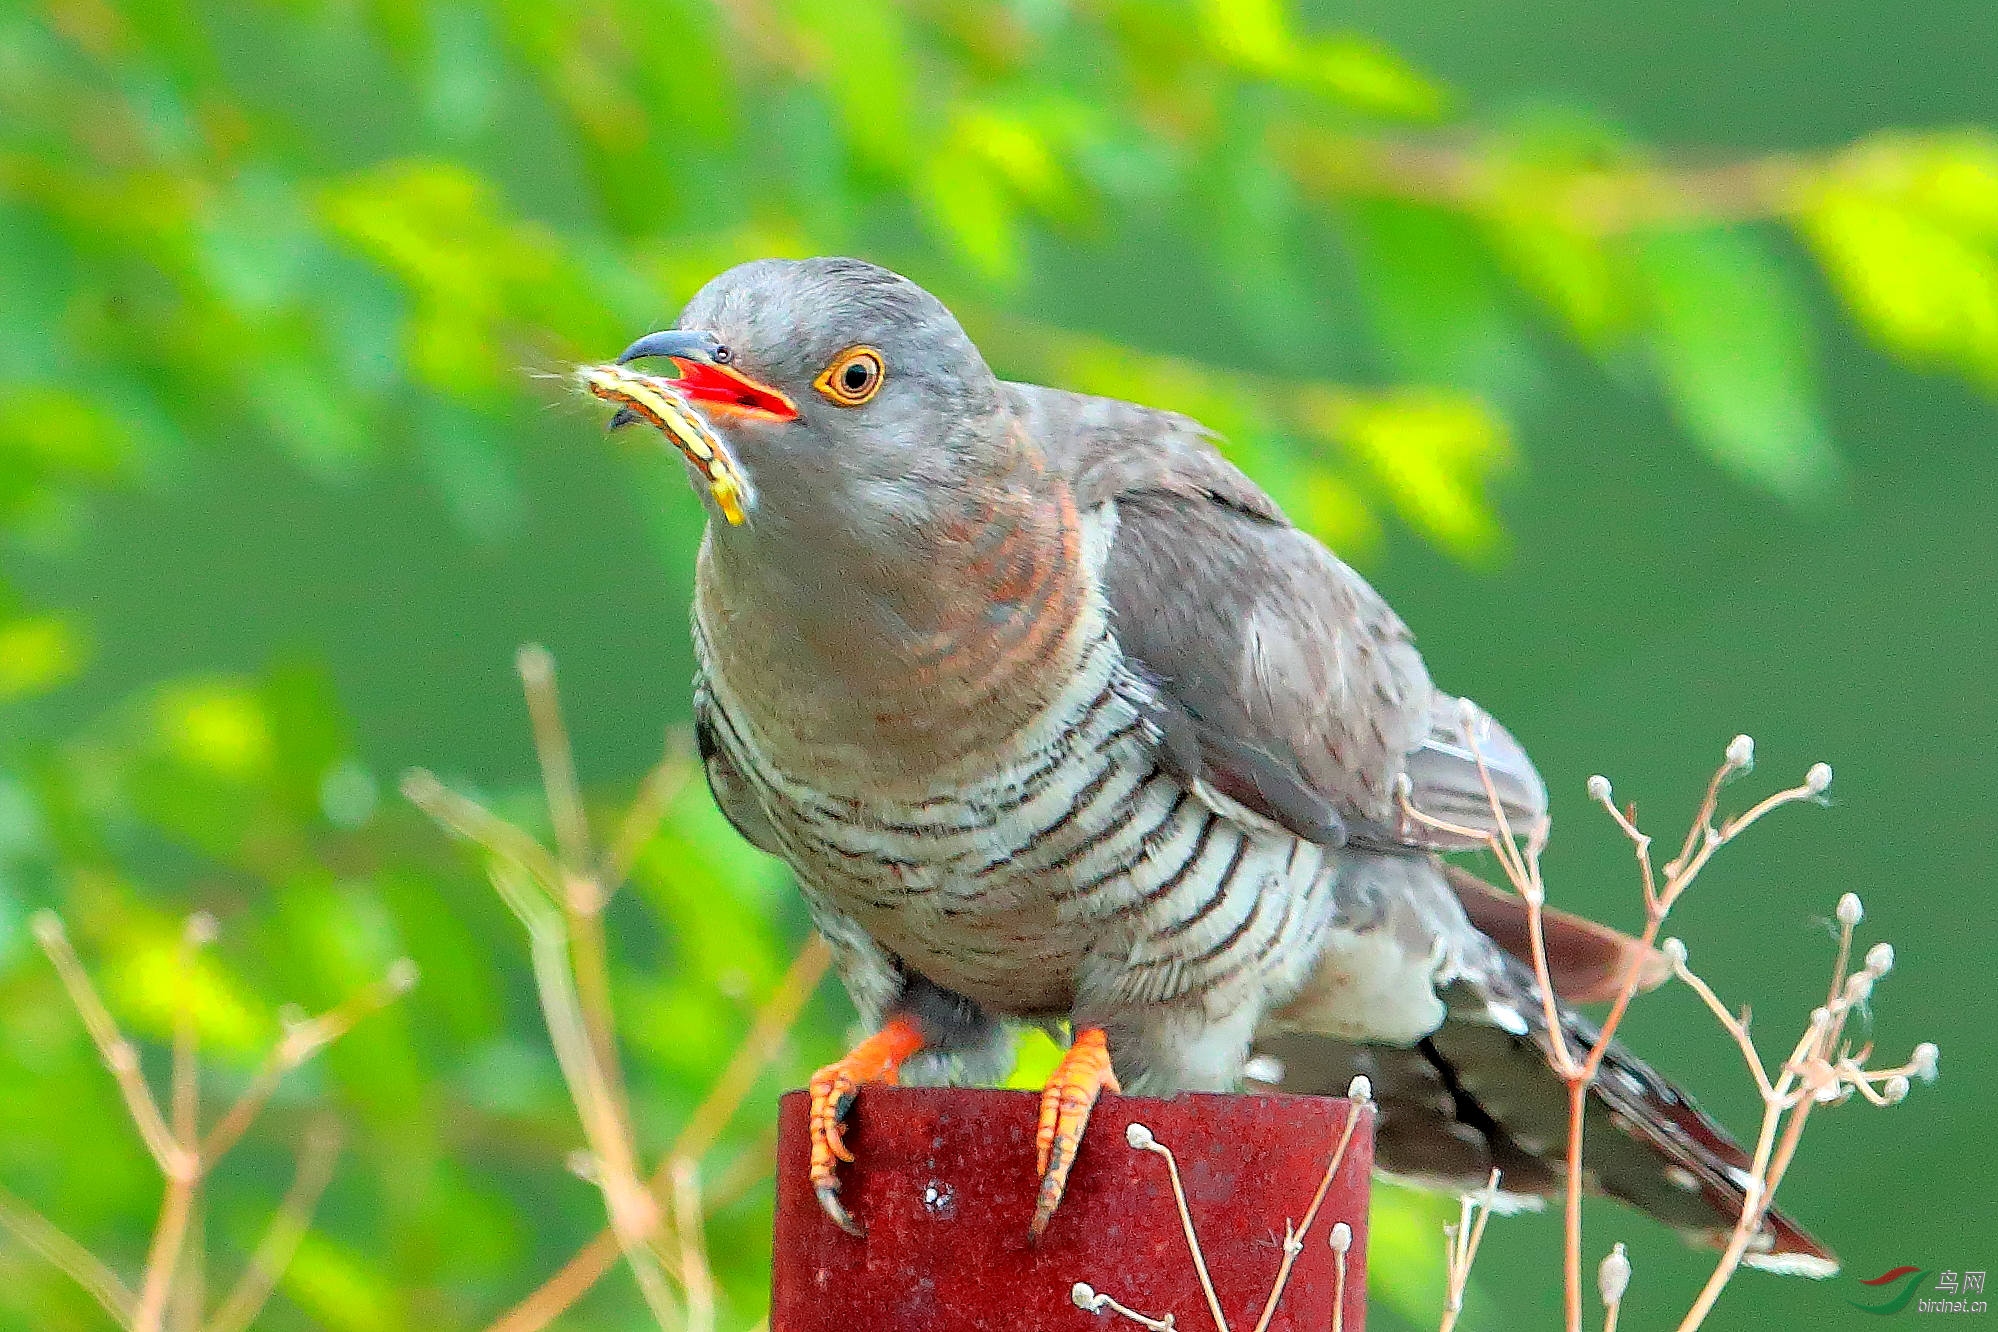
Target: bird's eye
(854, 376)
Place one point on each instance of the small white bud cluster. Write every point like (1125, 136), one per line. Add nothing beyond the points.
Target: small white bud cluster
(1613, 1277)
(1138, 1136)
(1818, 780)
(1850, 910)
(1896, 1090)
(1085, 1298)
(1880, 960)
(1599, 789)
(1674, 949)
(1341, 1237)
(1360, 1089)
(1859, 987)
(1740, 756)
(1924, 1061)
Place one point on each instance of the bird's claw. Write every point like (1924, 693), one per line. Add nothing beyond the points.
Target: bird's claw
(829, 1203)
(1083, 1074)
(879, 1059)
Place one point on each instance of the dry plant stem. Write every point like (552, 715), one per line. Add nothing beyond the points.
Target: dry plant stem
(1461, 1243)
(43, 1238)
(634, 1215)
(655, 794)
(1294, 1242)
(164, 1259)
(1192, 1240)
(1604, 202)
(581, 895)
(300, 1043)
(174, 1286)
(119, 1054)
(766, 1036)
(280, 1241)
(693, 1248)
(1521, 865)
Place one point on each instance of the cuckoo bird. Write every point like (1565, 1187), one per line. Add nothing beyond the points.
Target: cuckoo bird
(1060, 721)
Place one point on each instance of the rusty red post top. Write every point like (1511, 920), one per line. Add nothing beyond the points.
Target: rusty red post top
(945, 1186)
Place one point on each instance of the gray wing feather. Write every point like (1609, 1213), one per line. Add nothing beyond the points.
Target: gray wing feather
(1304, 689)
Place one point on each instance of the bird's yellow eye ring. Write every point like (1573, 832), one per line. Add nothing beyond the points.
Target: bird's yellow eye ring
(854, 376)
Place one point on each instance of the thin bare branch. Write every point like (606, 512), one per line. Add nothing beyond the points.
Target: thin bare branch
(246, 1299)
(661, 787)
(41, 1237)
(120, 1055)
(466, 818)
(558, 763)
(695, 1275)
(299, 1043)
(1294, 1242)
(766, 1036)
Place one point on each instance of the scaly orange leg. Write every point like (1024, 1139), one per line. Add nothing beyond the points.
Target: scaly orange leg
(1083, 1074)
(879, 1058)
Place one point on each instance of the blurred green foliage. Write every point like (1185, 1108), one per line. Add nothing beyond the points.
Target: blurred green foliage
(366, 238)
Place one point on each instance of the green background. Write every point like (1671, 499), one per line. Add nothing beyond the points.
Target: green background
(282, 493)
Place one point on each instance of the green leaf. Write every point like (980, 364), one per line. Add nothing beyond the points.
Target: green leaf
(1734, 351)
(1907, 229)
(1434, 452)
(38, 654)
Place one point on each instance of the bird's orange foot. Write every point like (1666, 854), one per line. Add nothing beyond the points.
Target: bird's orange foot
(1083, 1074)
(879, 1058)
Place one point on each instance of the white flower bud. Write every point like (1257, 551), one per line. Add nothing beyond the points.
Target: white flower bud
(1859, 987)
(1138, 1136)
(1741, 754)
(1896, 1090)
(1084, 1297)
(1613, 1277)
(403, 973)
(1342, 1237)
(1850, 910)
(1880, 959)
(1820, 1018)
(1924, 1061)
(1818, 779)
(1599, 789)
(1360, 1089)
(47, 926)
(1674, 949)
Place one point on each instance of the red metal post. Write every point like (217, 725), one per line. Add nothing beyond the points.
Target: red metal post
(944, 1184)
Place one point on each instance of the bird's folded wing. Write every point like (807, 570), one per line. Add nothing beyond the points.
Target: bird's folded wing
(1304, 691)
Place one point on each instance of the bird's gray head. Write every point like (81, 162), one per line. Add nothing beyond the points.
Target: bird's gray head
(856, 410)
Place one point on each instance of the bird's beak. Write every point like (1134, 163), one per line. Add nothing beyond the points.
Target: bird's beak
(679, 408)
(706, 379)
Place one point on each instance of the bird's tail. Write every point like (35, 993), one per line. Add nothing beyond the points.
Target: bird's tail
(1479, 1093)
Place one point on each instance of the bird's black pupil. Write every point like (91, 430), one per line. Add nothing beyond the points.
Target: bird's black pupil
(856, 376)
